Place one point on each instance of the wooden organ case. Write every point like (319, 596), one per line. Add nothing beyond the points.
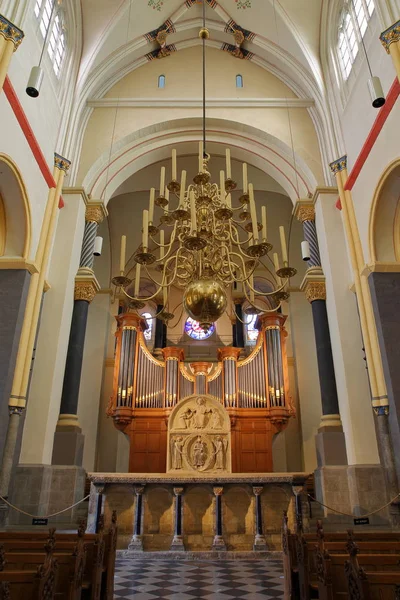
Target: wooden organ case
(254, 391)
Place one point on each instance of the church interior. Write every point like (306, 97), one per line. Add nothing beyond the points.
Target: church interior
(199, 266)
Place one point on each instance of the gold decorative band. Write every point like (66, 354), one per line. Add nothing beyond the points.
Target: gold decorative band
(306, 213)
(338, 165)
(61, 163)
(11, 32)
(95, 211)
(315, 290)
(390, 35)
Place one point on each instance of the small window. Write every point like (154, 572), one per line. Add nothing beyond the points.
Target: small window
(149, 331)
(161, 81)
(251, 330)
(239, 81)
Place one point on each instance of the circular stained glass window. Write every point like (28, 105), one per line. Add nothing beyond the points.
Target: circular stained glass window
(193, 329)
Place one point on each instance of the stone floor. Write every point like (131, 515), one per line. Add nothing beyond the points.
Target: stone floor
(147, 579)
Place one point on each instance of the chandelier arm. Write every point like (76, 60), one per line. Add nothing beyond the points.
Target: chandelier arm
(237, 242)
(258, 307)
(140, 299)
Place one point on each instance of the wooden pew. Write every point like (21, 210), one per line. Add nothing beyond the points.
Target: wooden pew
(39, 584)
(290, 570)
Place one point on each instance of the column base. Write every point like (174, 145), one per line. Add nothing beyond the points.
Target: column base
(177, 544)
(219, 544)
(68, 442)
(330, 446)
(136, 543)
(260, 544)
(354, 490)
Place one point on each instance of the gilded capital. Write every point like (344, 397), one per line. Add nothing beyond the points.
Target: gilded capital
(306, 213)
(257, 491)
(61, 163)
(11, 32)
(218, 491)
(390, 35)
(94, 214)
(315, 290)
(178, 491)
(84, 290)
(338, 165)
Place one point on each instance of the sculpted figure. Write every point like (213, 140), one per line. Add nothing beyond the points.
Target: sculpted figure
(219, 453)
(199, 453)
(201, 414)
(185, 418)
(177, 451)
(216, 420)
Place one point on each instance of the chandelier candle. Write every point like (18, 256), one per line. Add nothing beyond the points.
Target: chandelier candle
(162, 181)
(201, 154)
(174, 171)
(245, 180)
(167, 199)
(183, 186)
(283, 245)
(145, 238)
(253, 213)
(277, 267)
(122, 259)
(222, 186)
(137, 279)
(162, 242)
(264, 223)
(228, 164)
(193, 212)
(151, 205)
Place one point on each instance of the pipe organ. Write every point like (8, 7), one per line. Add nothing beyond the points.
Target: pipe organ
(254, 391)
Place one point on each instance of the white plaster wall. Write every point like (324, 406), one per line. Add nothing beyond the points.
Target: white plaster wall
(98, 326)
(48, 373)
(304, 351)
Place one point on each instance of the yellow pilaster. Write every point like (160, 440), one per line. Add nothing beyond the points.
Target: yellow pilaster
(390, 39)
(367, 318)
(36, 288)
(10, 39)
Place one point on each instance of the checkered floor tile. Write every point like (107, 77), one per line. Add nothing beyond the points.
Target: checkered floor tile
(147, 579)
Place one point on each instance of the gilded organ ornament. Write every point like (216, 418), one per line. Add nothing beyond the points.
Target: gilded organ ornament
(199, 437)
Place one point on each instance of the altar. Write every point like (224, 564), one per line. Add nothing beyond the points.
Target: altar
(198, 512)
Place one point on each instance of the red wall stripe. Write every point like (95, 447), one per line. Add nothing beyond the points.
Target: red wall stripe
(376, 128)
(29, 135)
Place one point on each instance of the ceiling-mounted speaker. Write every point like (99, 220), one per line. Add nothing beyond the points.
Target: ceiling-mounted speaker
(376, 91)
(35, 82)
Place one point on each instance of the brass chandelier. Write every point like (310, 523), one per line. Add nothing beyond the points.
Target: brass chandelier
(213, 245)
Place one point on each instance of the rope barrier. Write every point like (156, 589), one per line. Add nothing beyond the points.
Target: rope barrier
(43, 516)
(353, 516)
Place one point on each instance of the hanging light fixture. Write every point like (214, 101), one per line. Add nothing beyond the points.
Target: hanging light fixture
(213, 244)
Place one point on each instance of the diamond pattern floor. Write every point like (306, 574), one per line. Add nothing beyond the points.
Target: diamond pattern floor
(147, 579)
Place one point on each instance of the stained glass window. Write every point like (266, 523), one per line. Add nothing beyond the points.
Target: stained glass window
(149, 331)
(193, 329)
(251, 331)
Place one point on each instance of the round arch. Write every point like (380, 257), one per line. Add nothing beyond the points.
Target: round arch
(384, 221)
(152, 144)
(15, 213)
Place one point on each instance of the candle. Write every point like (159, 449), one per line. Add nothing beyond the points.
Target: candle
(173, 165)
(167, 199)
(137, 280)
(245, 180)
(183, 188)
(264, 222)
(228, 164)
(253, 212)
(145, 238)
(283, 244)
(162, 181)
(201, 153)
(222, 186)
(122, 259)
(151, 204)
(277, 267)
(229, 200)
(193, 211)
(162, 244)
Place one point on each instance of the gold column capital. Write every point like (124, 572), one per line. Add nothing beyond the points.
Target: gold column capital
(86, 285)
(304, 211)
(390, 35)
(61, 163)
(339, 165)
(315, 290)
(96, 212)
(11, 32)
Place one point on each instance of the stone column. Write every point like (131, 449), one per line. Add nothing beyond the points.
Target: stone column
(96, 506)
(172, 356)
(10, 38)
(177, 542)
(136, 542)
(259, 539)
(390, 39)
(330, 441)
(68, 438)
(22, 371)
(200, 371)
(229, 357)
(218, 542)
(380, 401)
